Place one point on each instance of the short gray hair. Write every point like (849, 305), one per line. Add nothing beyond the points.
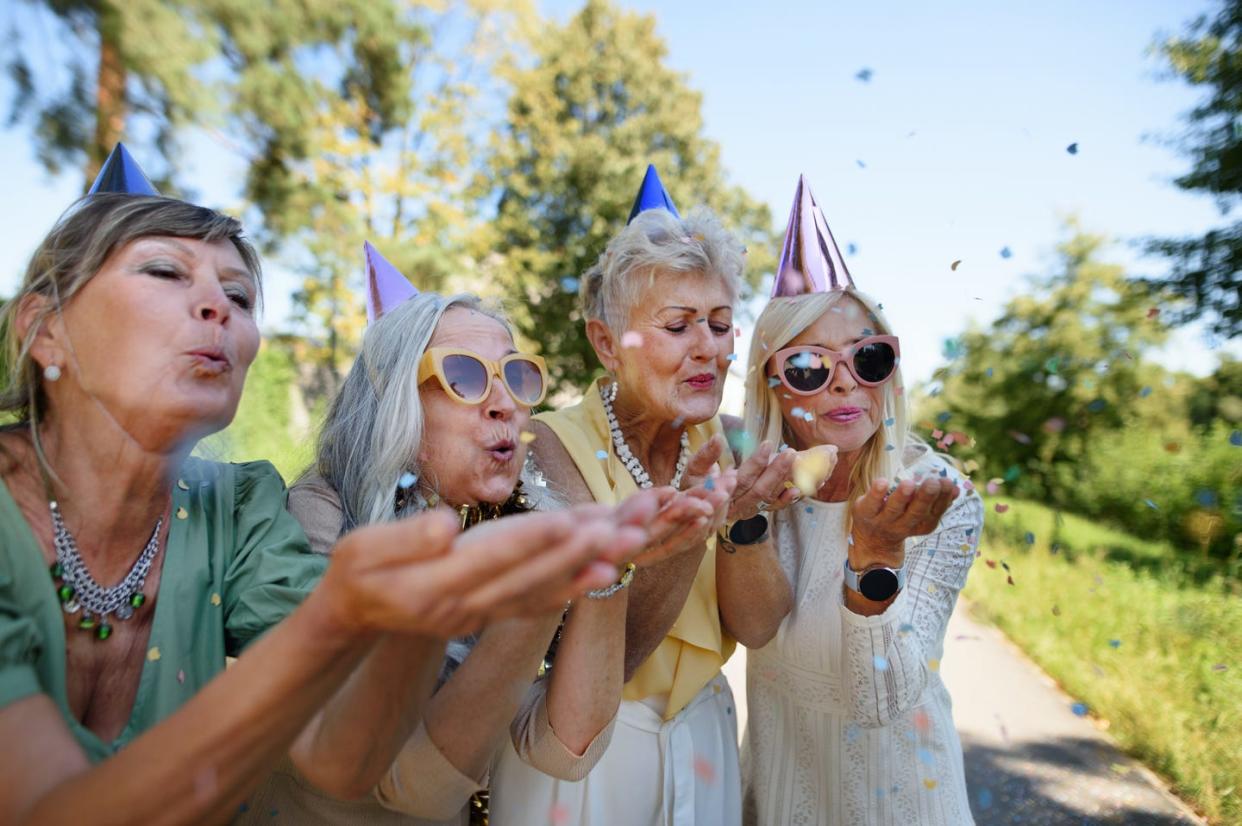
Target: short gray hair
(374, 428)
(657, 241)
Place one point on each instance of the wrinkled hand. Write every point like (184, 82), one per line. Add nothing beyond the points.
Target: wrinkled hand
(770, 480)
(422, 576)
(884, 520)
(695, 512)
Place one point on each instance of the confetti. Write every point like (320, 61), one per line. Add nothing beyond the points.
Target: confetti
(154, 654)
(797, 412)
(922, 723)
(1206, 498)
(407, 481)
(1079, 709)
(864, 74)
(569, 284)
(1145, 392)
(929, 784)
(881, 663)
(983, 797)
(925, 756)
(215, 599)
(526, 437)
(1054, 425)
(1220, 667)
(1114, 643)
(704, 770)
(861, 165)
(1072, 149)
(709, 483)
(1001, 507)
(632, 338)
(890, 421)
(773, 381)
(994, 485)
(955, 265)
(731, 357)
(1235, 438)
(1097, 405)
(601, 455)
(1030, 538)
(1006, 252)
(933, 664)
(1056, 610)
(181, 676)
(1020, 438)
(1151, 504)
(1153, 312)
(559, 815)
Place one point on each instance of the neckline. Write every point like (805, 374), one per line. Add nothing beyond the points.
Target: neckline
(57, 645)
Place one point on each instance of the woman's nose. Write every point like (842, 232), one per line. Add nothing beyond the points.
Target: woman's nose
(212, 305)
(702, 346)
(843, 381)
(499, 403)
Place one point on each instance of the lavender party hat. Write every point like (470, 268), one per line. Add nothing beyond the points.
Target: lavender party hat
(811, 262)
(386, 286)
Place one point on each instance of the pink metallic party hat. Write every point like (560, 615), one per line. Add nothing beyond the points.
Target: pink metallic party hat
(810, 259)
(386, 286)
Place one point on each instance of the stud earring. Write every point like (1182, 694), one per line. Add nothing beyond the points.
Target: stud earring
(51, 372)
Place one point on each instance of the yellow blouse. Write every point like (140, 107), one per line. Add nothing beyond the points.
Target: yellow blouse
(695, 647)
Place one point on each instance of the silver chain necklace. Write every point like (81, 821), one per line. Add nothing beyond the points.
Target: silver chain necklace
(627, 457)
(78, 590)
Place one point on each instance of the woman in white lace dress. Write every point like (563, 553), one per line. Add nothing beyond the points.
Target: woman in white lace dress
(849, 722)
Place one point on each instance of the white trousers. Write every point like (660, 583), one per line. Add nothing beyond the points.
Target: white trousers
(679, 772)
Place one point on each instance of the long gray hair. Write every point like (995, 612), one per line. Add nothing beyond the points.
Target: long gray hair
(374, 428)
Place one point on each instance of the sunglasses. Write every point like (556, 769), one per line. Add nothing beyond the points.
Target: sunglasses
(806, 369)
(467, 376)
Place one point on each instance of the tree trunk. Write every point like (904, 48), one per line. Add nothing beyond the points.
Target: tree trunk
(110, 102)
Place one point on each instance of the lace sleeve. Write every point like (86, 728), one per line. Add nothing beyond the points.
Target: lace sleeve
(888, 656)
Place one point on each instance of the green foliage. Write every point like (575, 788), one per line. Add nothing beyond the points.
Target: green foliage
(1120, 625)
(597, 105)
(1060, 366)
(272, 421)
(1205, 269)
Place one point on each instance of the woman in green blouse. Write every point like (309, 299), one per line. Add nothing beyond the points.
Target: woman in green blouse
(128, 571)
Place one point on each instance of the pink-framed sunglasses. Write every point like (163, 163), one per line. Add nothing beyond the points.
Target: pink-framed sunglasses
(806, 369)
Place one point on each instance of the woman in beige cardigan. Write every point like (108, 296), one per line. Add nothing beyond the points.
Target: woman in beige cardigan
(439, 399)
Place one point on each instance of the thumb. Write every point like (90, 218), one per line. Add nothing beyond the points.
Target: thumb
(701, 463)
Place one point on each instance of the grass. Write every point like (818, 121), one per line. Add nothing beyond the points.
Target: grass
(1135, 630)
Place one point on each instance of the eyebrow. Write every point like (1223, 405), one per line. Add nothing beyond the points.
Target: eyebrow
(695, 309)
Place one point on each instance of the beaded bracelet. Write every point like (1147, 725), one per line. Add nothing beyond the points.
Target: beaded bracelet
(626, 578)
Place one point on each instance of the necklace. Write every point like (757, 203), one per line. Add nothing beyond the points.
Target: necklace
(627, 457)
(78, 590)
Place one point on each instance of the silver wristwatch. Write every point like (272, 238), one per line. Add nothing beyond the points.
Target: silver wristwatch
(876, 583)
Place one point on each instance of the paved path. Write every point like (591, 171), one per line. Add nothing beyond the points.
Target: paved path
(1029, 759)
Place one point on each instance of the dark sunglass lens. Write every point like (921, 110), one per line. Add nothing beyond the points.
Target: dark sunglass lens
(524, 380)
(874, 362)
(807, 371)
(466, 376)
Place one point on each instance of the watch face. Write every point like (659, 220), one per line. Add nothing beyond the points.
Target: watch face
(748, 531)
(878, 585)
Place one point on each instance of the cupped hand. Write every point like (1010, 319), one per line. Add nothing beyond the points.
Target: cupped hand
(883, 519)
(422, 576)
(771, 480)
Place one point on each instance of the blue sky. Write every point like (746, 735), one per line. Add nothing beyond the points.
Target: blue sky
(954, 149)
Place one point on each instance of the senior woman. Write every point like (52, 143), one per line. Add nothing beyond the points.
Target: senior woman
(128, 340)
(659, 314)
(440, 397)
(849, 722)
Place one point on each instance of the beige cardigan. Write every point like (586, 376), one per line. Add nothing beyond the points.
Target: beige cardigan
(421, 788)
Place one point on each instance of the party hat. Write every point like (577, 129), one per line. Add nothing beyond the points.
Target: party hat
(386, 287)
(810, 259)
(652, 195)
(121, 173)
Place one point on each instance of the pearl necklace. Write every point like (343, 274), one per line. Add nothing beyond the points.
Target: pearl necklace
(627, 457)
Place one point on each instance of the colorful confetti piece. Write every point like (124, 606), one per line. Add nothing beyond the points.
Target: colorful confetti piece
(632, 338)
(955, 265)
(154, 654)
(1079, 709)
(1072, 149)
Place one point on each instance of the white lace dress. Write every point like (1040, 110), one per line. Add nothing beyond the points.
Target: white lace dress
(848, 720)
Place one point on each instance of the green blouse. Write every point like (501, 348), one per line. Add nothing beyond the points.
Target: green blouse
(236, 563)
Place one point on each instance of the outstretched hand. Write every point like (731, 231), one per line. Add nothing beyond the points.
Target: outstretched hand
(883, 519)
(687, 517)
(422, 576)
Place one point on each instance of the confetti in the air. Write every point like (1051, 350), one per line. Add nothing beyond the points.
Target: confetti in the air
(601, 455)
(407, 481)
(154, 654)
(1072, 149)
(526, 437)
(1235, 438)
(1080, 709)
(559, 815)
(569, 284)
(632, 338)
(852, 248)
(704, 769)
(1006, 252)
(731, 357)
(1001, 507)
(881, 663)
(1114, 643)
(215, 599)
(1145, 392)
(181, 676)
(955, 265)
(864, 74)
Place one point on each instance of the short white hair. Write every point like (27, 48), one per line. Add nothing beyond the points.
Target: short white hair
(654, 243)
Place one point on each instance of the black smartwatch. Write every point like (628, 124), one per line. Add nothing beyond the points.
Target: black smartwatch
(876, 583)
(750, 531)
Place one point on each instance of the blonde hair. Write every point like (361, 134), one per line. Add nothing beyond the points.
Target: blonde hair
(780, 323)
(73, 252)
(657, 241)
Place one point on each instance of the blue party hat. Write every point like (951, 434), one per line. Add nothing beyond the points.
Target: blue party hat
(121, 173)
(652, 195)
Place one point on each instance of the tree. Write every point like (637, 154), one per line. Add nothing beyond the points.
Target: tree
(1204, 270)
(1061, 365)
(585, 118)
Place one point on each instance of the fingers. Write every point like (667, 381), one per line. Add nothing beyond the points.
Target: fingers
(702, 461)
(750, 471)
(869, 505)
(424, 536)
